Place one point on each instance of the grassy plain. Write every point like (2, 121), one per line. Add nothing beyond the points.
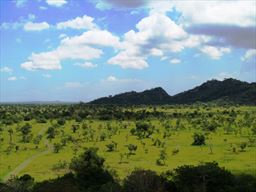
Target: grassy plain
(223, 145)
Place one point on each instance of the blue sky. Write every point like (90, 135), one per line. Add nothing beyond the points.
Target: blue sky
(74, 50)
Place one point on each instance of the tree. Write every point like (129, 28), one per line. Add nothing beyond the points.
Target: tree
(132, 148)
(51, 133)
(208, 177)
(57, 147)
(162, 158)
(142, 130)
(111, 146)
(143, 181)
(10, 131)
(26, 132)
(61, 121)
(199, 139)
(89, 170)
(75, 127)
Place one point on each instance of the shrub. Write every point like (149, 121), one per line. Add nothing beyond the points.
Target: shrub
(111, 146)
(143, 181)
(132, 148)
(199, 139)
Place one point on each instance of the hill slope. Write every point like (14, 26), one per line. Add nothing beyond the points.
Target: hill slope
(152, 96)
(228, 91)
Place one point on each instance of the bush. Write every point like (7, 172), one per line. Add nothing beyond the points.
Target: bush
(142, 130)
(199, 139)
(143, 181)
(111, 146)
(89, 170)
(205, 177)
(132, 148)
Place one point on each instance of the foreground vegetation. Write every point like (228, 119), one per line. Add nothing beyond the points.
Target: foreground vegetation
(88, 174)
(41, 140)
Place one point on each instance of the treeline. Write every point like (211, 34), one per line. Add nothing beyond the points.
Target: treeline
(88, 174)
(11, 114)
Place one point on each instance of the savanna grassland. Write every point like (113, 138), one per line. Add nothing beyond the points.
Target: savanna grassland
(41, 140)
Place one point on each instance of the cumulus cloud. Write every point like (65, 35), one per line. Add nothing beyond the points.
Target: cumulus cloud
(86, 65)
(84, 22)
(95, 37)
(13, 78)
(194, 12)
(225, 75)
(77, 47)
(249, 61)
(29, 26)
(20, 3)
(56, 3)
(6, 70)
(52, 60)
(249, 55)
(157, 34)
(175, 61)
(238, 13)
(111, 78)
(215, 52)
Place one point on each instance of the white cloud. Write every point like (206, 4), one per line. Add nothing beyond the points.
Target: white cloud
(73, 85)
(215, 52)
(86, 65)
(175, 61)
(20, 3)
(52, 60)
(56, 3)
(31, 17)
(157, 34)
(77, 47)
(46, 75)
(251, 53)
(84, 22)
(204, 12)
(29, 26)
(6, 70)
(111, 78)
(42, 7)
(45, 60)
(224, 75)
(13, 78)
(62, 35)
(128, 60)
(95, 37)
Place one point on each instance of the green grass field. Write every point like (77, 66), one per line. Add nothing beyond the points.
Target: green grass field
(221, 146)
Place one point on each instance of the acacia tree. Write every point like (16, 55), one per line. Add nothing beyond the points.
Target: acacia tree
(10, 131)
(26, 132)
(132, 148)
(89, 170)
(142, 130)
(199, 139)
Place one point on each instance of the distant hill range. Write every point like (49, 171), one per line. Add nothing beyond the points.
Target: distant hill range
(226, 91)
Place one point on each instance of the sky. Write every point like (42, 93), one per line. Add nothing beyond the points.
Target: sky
(79, 50)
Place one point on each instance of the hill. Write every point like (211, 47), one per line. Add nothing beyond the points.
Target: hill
(147, 97)
(227, 91)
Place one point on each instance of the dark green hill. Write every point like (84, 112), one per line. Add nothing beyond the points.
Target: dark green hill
(227, 91)
(152, 96)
